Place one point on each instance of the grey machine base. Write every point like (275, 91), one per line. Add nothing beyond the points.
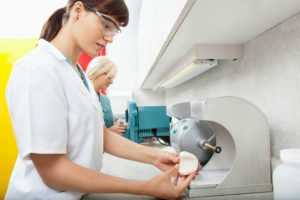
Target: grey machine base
(257, 196)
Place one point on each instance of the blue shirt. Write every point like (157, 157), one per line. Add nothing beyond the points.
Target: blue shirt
(107, 111)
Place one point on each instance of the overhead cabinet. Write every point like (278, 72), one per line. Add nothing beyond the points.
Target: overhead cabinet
(172, 29)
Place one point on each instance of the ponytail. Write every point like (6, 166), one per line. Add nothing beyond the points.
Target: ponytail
(114, 8)
(53, 25)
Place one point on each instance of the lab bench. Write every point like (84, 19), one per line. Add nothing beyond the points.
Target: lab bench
(139, 171)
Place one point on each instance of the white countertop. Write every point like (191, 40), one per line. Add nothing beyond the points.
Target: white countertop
(139, 171)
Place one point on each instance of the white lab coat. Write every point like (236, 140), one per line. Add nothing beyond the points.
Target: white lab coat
(52, 112)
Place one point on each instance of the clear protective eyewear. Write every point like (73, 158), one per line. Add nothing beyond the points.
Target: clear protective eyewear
(110, 26)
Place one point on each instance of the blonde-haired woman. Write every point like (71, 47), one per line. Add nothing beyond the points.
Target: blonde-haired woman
(102, 71)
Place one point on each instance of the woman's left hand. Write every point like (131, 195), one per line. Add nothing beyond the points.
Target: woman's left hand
(165, 160)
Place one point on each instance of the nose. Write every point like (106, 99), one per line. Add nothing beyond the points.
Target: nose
(109, 82)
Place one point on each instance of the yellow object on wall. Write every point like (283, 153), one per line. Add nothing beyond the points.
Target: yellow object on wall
(10, 51)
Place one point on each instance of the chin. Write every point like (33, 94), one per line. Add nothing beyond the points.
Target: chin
(94, 54)
(91, 53)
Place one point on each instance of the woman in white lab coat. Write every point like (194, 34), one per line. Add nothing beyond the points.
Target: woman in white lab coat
(55, 114)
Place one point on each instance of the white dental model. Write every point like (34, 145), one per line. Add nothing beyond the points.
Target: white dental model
(188, 163)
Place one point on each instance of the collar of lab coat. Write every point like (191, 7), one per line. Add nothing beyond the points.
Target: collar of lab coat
(51, 49)
(47, 46)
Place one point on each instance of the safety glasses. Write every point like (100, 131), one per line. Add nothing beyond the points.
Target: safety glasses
(110, 26)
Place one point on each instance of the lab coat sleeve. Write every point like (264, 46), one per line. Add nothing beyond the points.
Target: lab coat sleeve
(39, 112)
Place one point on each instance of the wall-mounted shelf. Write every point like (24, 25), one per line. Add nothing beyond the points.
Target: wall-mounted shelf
(216, 22)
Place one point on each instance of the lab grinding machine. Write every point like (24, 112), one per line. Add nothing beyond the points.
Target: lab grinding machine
(230, 137)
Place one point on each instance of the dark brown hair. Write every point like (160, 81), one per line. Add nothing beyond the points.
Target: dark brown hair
(115, 8)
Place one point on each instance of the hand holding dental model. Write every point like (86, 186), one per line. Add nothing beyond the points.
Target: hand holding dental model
(188, 163)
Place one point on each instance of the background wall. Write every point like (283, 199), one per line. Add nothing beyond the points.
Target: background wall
(22, 19)
(123, 51)
(268, 76)
(156, 21)
(149, 98)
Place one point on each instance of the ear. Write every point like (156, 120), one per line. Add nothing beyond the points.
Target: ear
(77, 10)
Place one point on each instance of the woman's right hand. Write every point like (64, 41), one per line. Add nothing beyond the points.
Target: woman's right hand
(118, 127)
(169, 185)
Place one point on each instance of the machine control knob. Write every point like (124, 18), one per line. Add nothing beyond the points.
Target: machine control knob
(218, 149)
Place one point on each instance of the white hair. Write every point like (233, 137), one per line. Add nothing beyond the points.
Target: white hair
(100, 65)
